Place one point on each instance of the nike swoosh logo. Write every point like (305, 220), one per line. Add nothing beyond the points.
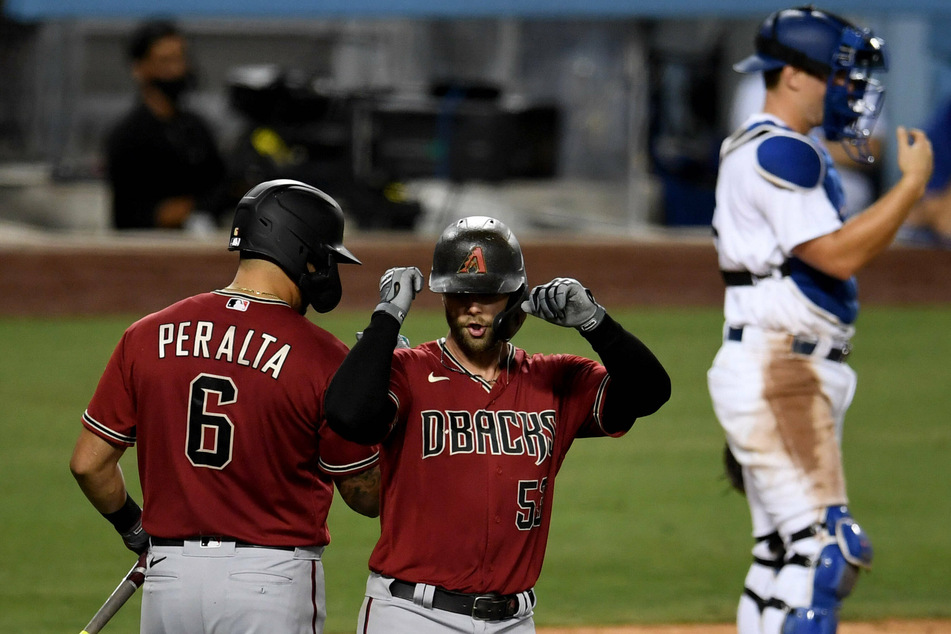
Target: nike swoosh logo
(156, 560)
(434, 379)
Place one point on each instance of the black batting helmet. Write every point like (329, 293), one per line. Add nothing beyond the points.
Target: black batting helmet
(292, 224)
(481, 255)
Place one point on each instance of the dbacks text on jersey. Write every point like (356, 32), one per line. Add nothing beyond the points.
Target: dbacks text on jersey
(489, 432)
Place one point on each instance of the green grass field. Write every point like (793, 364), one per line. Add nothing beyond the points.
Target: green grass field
(645, 528)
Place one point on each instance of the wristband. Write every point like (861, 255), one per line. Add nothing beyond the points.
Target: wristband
(594, 321)
(126, 517)
(392, 310)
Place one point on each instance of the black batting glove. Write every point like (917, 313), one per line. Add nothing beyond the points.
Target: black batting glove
(565, 302)
(128, 523)
(136, 539)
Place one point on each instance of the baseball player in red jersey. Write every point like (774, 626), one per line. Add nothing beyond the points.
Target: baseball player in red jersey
(222, 395)
(474, 430)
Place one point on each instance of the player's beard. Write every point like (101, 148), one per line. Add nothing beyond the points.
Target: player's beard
(472, 346)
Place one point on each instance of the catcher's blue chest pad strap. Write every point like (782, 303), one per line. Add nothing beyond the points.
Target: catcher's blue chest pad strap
(790, 162)
(839, 297)
(794, 162)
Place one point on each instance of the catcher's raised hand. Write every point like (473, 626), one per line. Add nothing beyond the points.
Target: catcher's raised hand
(564, 302)
(398, 288)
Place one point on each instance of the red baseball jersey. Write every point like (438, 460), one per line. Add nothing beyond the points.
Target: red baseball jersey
(222, 395)
(468, 470)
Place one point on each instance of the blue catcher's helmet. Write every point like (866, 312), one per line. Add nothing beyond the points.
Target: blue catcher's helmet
(833, 49)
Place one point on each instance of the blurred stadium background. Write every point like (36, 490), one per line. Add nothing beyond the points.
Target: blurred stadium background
(602, 116)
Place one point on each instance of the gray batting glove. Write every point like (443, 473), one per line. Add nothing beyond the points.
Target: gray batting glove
(398, 288)
(565, 302)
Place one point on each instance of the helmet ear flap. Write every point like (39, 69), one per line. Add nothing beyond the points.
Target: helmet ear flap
(508, 322)
(321, 288)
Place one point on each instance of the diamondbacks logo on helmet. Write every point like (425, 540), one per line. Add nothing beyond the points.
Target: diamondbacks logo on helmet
(477, 254)
(474, 262)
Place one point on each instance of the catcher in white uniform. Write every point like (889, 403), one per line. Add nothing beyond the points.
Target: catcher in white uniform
(780, 383)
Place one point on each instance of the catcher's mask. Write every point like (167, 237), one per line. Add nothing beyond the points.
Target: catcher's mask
(845, 56)
(480, 255)
(292, 224)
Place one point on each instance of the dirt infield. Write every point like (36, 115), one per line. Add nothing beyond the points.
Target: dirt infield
(142, 275)
(878, 627)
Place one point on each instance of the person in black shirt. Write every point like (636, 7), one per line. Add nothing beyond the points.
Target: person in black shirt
(163, 161)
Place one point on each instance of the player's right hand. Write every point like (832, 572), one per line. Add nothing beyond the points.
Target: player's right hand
(136, 539)
(915, 155)
(398, 288)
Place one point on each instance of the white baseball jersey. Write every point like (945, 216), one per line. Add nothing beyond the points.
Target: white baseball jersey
(777, 189)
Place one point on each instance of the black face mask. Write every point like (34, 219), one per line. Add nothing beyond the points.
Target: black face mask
(173, 88)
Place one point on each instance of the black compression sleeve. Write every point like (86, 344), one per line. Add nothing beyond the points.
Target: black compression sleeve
(639, 383)
(357, 403)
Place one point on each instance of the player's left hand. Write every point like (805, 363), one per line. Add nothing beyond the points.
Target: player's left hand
(398, 288)
(565, 302)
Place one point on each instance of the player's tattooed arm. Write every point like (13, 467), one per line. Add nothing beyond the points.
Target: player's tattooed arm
(361, 491)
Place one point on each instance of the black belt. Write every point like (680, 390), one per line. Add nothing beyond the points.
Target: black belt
(484, 607)
(208, 541)
(800, 346)
(745, 278)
